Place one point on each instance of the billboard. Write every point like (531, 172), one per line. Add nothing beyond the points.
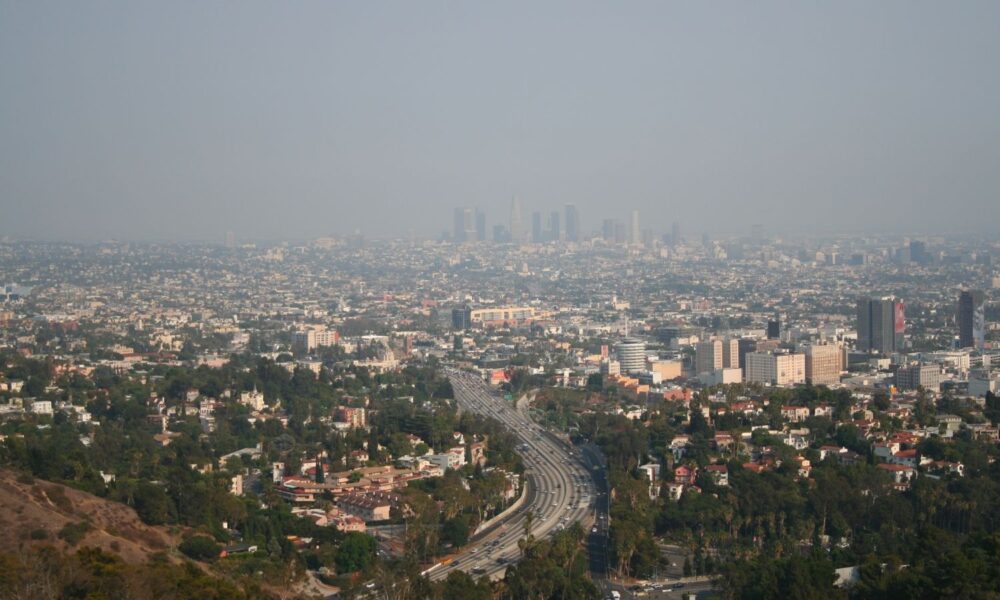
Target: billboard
(900, 317)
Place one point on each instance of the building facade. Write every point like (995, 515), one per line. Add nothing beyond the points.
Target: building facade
(776, 369)
(824, 364)
(631, 355)
(881, 323)
(971, 319)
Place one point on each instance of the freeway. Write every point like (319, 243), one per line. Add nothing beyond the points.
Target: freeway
(560, 487)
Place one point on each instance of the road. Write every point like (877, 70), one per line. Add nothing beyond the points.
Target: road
(561, 489)
(665, 590)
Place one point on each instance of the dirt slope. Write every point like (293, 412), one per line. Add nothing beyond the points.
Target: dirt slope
(33, 513)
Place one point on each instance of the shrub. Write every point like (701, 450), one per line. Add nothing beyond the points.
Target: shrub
(73, 533)
(39, 534)
(58, 497)
(200, 547)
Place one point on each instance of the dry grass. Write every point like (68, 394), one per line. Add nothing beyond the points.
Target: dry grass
(29, 507)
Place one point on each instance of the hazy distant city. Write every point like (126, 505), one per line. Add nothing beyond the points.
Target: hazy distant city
(524, 301)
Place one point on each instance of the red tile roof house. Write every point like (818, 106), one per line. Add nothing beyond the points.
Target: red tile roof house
(908, 458)
(901, 475)
(685, 474)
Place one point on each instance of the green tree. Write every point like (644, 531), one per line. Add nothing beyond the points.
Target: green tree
(355, 553)
(200, 547)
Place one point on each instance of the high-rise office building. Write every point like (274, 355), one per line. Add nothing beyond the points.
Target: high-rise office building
(746, 345)
(608, 230)
(500, 234)
(917, 375)
(572, 223)
(631, 355)
(773, 329)
(621, 233)
(230, 240)
(824, 364)
(675, 234)
(536, 227)
(971, 319)
(731, 353)
(918, 252)
(634, 232)
(480, 225)
(516, 229)
(708, 356)
(713, 355)
(555, 234)
(881, 324)
(461, 317)
(464, 228)
(775, 369)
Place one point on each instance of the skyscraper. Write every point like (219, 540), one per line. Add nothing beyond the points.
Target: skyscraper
(675, 234)
(480, 225)
(773, 328)
(536, 227)
(971, 319)
(634, 233)
(608, 230)
(881, 324)
(708, 356)
(918, 252)
(464, 230)
(554, 232)
(516, 221)
(572, 223)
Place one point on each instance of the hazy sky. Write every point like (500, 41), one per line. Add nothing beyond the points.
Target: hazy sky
(275, 120)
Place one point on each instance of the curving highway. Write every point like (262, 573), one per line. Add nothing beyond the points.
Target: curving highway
(560, 487)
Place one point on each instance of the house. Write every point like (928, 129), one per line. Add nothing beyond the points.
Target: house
(907, 458)
(254, 400)
(652, 473)
(685, 474)
(297, 490)
(795, 414)
(985, 433)
(723, 442)
(885, 450)
(849, 458)
(477, 450)
(719, 474)
(347, 523)
(237, 549)
(804, 466)
(41, 407)
(823, 410)
(901, 475)
(944, 467)
(454, 458)
(678, 446)
(798, 439)
(674, 491)
(949, 423)
(368, 507)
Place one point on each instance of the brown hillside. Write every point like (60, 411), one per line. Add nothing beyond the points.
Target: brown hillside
(32, 513)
